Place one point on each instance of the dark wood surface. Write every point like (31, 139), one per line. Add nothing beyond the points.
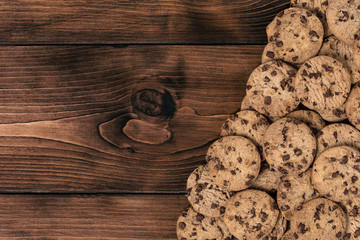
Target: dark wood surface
(136, 21)
(71, 217)
(119, 100)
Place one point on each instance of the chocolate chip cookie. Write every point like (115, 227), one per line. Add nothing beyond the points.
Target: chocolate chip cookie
(342, 52)
(337, 134)
(296, 35)
(233, 162)
(246, 123)
(289, 146)
(270, 89)
(293, 191)
(319, 7)
(353, 106)
(352, 208)
(320, 219)
(322, 84)
(336, 173)
(311, 118)
(195, 226)
(251, 214)
(343, 18)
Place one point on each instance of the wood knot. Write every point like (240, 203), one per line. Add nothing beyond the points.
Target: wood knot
(154, 106)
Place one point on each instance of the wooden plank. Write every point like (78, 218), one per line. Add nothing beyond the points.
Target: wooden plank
(136, 21)
(105, 119)
(129, 217)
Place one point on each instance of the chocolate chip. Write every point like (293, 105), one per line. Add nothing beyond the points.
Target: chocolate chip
(270, 54)
(266, 79)
(265, 67)
(278, 22)
(273, 73)
(267, 100)
(344, 160)
(295, 58)
(344, 17)
(312, 33)
(284, 207)
(283, 170)
(303, 19)
(328, 93)
(286, 157)
(280, 14)
(222, 210)
(248, 87)
(298, 151)
(199, 217)
(214, 205)
(182, 225)
(328, 68)
(354, 179)
(287, 184)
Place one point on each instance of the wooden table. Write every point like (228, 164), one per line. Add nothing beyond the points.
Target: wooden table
(107, 106)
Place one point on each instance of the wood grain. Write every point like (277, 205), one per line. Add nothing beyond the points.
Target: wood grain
(136, 21)
(127, 217)
(63, 110)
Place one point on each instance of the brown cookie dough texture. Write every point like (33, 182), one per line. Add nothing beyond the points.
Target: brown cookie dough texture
(205, 197)
(270, 89)
(343, 18)
(289, 146)
(319, 219)
(233, 162)
(311, 118)
(268, 179)
(251, 214)
(342, 52)
(335, 115)
(199, 175)
(337, 134)
(319, 7)
(246, 123)
(336, 173)
(195, 226)
(279, 229)
(293, 191)
(352, 208)
(245, 104)
(296, 35)
(356, 55)
(322, 84)
(353, 106)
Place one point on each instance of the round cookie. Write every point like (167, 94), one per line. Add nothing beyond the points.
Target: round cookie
(296, 35)
(343, 18)
(311, 118)
(270, 89)
(336, 173)
(319, 7)
(268, 179)
(322, 84)
(195, 226)
(342, 52)
(353, 106)
(319, 219)
(251, 214)
(233, 162)
(289, 146)
(279, 229)
(335, 115)
(337, 134)
(246, 123)
(293, 191)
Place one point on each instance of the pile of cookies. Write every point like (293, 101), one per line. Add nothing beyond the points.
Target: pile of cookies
(287, 166)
